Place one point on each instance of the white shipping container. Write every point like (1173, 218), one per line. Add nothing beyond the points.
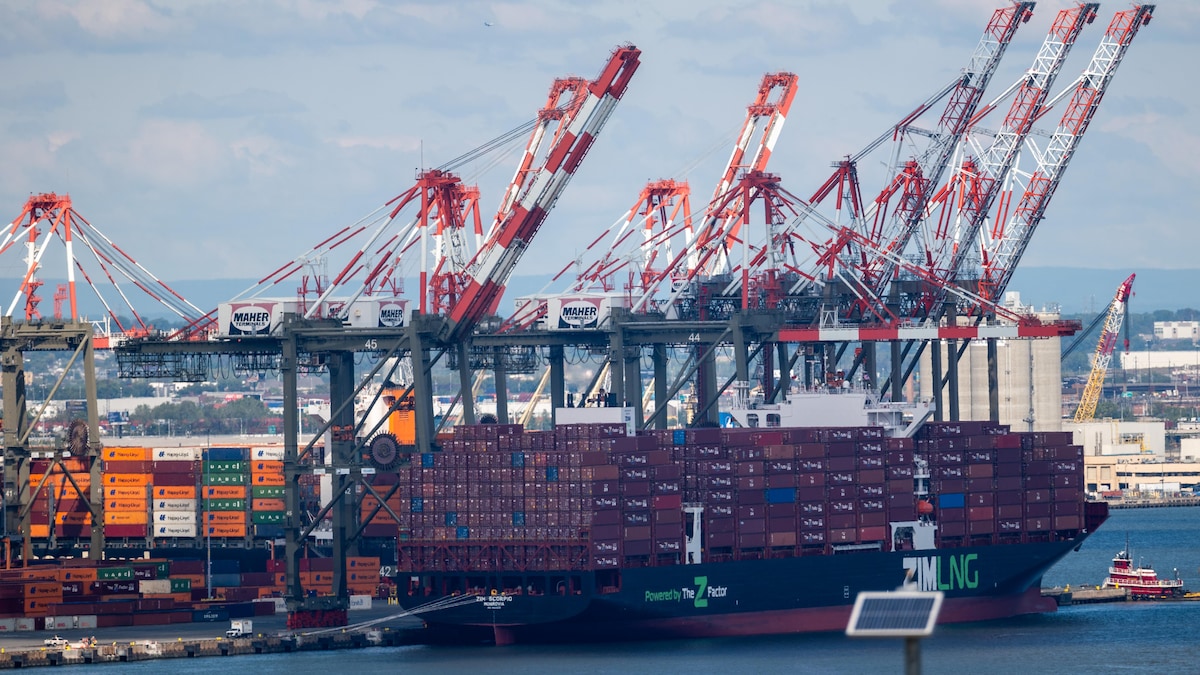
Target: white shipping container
(175, 505)
(267, 454)
(86, 621)
(154, 586)
(25, 623)
(176, 454)
(169, 530)
(8, 625)
(175, 517)
(60, 623)
(360, 602)
(257, 317)
(581, 312)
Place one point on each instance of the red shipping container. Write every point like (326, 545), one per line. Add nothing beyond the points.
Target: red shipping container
(843, 536)
(673, 501)
(846, 463)
(167, 479)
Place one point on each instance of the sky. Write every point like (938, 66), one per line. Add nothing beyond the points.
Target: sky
(217, 140)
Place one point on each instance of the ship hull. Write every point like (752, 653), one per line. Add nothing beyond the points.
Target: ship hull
(758, 597)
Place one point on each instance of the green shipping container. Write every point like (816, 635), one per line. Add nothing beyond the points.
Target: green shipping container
(269, 491)
(268, 517)
(225, 479)
(163, 569)
(181, 585)
(224, 504)
(219, 466)
(114, 574)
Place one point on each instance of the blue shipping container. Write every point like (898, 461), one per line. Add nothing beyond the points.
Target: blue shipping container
(427, 460)
(451, 518)
(416, 505)
(953, 500)
(781, 495)
(226, 454)
(226, 567)
(463, 533)
(209, 615)
(679, 437)
(518, 519)
(518, 460)
(551, 474)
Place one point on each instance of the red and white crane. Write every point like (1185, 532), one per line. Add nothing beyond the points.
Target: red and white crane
(545, 171)
(961, 206)
(1011, 231)
(88, 254)
(657, 240)
(878, 232)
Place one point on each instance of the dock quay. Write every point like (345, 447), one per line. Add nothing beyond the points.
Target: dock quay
(1084, 596)
(1153, 503)
(195, 640)
(150, 649)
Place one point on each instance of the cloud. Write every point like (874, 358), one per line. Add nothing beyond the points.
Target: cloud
(247, 103)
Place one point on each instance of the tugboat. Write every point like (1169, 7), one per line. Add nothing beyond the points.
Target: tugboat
(1143, 582)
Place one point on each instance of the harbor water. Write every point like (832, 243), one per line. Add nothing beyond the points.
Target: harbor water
(1121, 637)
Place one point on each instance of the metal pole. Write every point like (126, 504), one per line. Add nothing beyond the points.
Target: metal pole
(912, 656)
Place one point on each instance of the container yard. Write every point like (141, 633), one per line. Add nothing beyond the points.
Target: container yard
(803, 465)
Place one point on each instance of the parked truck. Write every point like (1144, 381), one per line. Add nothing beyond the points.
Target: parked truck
(240, 628)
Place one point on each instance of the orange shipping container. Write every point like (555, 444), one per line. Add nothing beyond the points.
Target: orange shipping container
(125, 505)
(225, 518)
(42, 574)
(45, 589)
(268, 505)
(266, 467)
(125, 493)
(267, 479)
(126, 479)
(175, 492)
(39, 531)
(225, 492)
(225, 530)
(73, 518)
(38, 606)
(78, 574)
(124, 517)
(126, 454)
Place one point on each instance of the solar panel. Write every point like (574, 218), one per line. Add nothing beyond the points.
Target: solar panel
(894, 613)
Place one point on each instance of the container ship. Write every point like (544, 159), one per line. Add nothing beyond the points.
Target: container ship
(591, 532)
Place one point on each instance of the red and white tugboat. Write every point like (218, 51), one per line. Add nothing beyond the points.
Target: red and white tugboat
(1143, 582)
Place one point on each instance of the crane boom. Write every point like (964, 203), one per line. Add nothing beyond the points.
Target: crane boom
(992, 168)
(535, 189)
(1011, 236)
(1104, 352)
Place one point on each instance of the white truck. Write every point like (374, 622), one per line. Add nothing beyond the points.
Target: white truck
(240, 628)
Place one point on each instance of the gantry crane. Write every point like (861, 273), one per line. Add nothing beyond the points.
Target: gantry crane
(1010, 235)
(1117, 310)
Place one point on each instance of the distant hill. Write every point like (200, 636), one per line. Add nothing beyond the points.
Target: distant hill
(1073, 290)
(1078, 290)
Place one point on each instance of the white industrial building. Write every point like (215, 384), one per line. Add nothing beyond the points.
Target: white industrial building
(1029, 379)
(1172, 360)
(1120, 437)
(1177, 330)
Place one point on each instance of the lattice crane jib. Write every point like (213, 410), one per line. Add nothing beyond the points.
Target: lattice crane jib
(537, 186)
(896, 229)
(1104, 351)
(1011, 233)
(88, 255)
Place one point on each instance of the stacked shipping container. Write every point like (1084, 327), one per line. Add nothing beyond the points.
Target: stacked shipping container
(126, 476)
(586, 496)
(225, 479)
(59, 501)
(173, 492)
